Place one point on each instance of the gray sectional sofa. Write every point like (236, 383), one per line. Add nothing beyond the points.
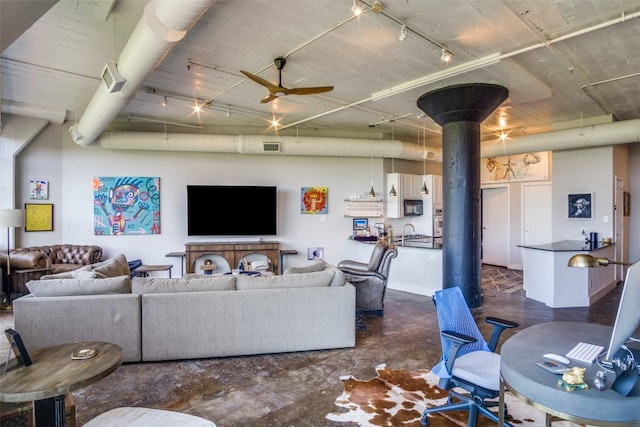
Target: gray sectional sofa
(152, 319)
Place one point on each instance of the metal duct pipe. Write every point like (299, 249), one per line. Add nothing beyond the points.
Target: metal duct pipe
(254, 144)
(460, 109)
(163, 24)
(626, 132)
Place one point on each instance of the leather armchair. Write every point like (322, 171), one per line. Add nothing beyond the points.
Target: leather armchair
(370, 279)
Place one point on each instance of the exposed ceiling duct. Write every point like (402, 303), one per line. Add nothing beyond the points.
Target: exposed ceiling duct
(625, 132)
(163, 24)
(255, 144)
(600, 135)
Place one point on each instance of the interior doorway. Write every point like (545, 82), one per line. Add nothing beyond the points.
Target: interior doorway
(495, 226)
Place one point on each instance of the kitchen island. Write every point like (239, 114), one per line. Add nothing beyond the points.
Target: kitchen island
(416, 269)
(548, 279)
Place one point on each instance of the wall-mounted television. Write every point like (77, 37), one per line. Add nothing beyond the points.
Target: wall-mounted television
(231, 210)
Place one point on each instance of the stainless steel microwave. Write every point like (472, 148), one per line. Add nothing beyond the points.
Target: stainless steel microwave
(413, 207)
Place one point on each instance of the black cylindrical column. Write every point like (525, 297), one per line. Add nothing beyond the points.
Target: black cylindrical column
(460, 109)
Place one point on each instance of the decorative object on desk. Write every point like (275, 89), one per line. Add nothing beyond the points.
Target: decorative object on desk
(38, 190)
(315, 253)
(586, 260)
(580, 206)
(85, 353)
(19, 350)
(575, 376)
(606, 240)
(398, 398)
(126, 205)
(9, 218)
(38, 217)
(626, 197)
(600, 381)
(314, 200)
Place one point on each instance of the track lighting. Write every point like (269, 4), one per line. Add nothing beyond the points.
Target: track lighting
(403, 33)
(357, 10)
(164, 102)
(446, 56)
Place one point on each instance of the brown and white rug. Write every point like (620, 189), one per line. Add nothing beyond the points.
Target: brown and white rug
(398, 397)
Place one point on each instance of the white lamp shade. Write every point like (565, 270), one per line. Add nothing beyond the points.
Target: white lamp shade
(11, 218)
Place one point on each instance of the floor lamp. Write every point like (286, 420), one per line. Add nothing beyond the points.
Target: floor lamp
(10, 218)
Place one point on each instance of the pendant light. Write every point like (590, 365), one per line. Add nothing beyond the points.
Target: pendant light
(424, 190)
(393, 192)
(372, 192)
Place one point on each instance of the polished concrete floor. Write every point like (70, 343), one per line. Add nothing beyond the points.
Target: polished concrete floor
(298, 389)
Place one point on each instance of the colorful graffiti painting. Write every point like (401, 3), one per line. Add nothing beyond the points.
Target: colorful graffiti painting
(315, 200)
(126, 205)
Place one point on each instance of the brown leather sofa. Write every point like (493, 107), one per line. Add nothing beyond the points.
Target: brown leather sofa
(57, 258)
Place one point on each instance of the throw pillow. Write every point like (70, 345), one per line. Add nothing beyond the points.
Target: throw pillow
(66, 287)
(116, 266)
(66, 274)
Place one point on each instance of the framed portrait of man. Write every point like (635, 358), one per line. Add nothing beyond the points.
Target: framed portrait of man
(580, 206)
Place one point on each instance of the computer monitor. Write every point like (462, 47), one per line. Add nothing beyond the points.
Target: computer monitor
(628, 317)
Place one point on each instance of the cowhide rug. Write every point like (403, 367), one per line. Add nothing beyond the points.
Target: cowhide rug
(398, 398)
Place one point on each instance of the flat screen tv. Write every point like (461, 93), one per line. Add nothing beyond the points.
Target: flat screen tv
(231, 210)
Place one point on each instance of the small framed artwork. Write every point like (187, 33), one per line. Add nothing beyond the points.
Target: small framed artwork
(626, 197)
(38, 190)
(39, 217)
(580, 206)
(315, 253)
(20, 351)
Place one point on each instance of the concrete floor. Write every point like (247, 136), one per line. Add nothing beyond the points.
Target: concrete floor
(298, 389)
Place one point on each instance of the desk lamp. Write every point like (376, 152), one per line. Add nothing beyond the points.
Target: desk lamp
(10, 218)
(585, 260)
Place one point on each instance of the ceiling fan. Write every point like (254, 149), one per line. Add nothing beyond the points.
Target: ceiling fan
(279, 90)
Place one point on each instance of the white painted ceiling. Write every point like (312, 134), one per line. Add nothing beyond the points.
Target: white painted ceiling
(562, 60)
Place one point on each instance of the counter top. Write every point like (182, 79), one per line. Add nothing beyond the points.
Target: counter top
(425, 242)
(567, 246)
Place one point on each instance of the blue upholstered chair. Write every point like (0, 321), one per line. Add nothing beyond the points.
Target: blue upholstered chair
(468, 361)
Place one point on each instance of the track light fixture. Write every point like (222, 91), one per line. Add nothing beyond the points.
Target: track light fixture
(357, 10)
(446, 56)
(403, 33)
(164, 102)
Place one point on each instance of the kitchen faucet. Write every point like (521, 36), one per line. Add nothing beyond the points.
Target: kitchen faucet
(403, 226)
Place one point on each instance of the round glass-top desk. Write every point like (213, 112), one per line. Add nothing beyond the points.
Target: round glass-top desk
(539, 388)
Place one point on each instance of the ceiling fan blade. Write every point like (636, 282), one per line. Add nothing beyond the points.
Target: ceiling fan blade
(268, 98)
(260, 80)
(308, 90)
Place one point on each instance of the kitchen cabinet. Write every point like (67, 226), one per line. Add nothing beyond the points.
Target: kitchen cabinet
(394, 206)
(433, 200)
(412, 184)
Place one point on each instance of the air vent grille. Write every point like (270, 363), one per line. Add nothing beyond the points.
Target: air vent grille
(271, 147)
(429, 155)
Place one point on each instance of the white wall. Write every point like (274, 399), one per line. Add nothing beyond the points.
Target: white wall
(70, 168)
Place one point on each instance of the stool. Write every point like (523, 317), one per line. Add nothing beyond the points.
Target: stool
(145, 417)
(143, 270)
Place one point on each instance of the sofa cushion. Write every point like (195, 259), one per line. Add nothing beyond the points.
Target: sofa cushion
(73, 287)
(338, 278)
(305, 280)
(319, 265)
(161, 285)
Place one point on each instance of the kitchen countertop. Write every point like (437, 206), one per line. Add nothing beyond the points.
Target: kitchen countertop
(567, 246)
(424, 242)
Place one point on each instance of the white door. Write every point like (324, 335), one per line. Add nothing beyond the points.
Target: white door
(495, 226)
(536, 214)
(618, 226)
